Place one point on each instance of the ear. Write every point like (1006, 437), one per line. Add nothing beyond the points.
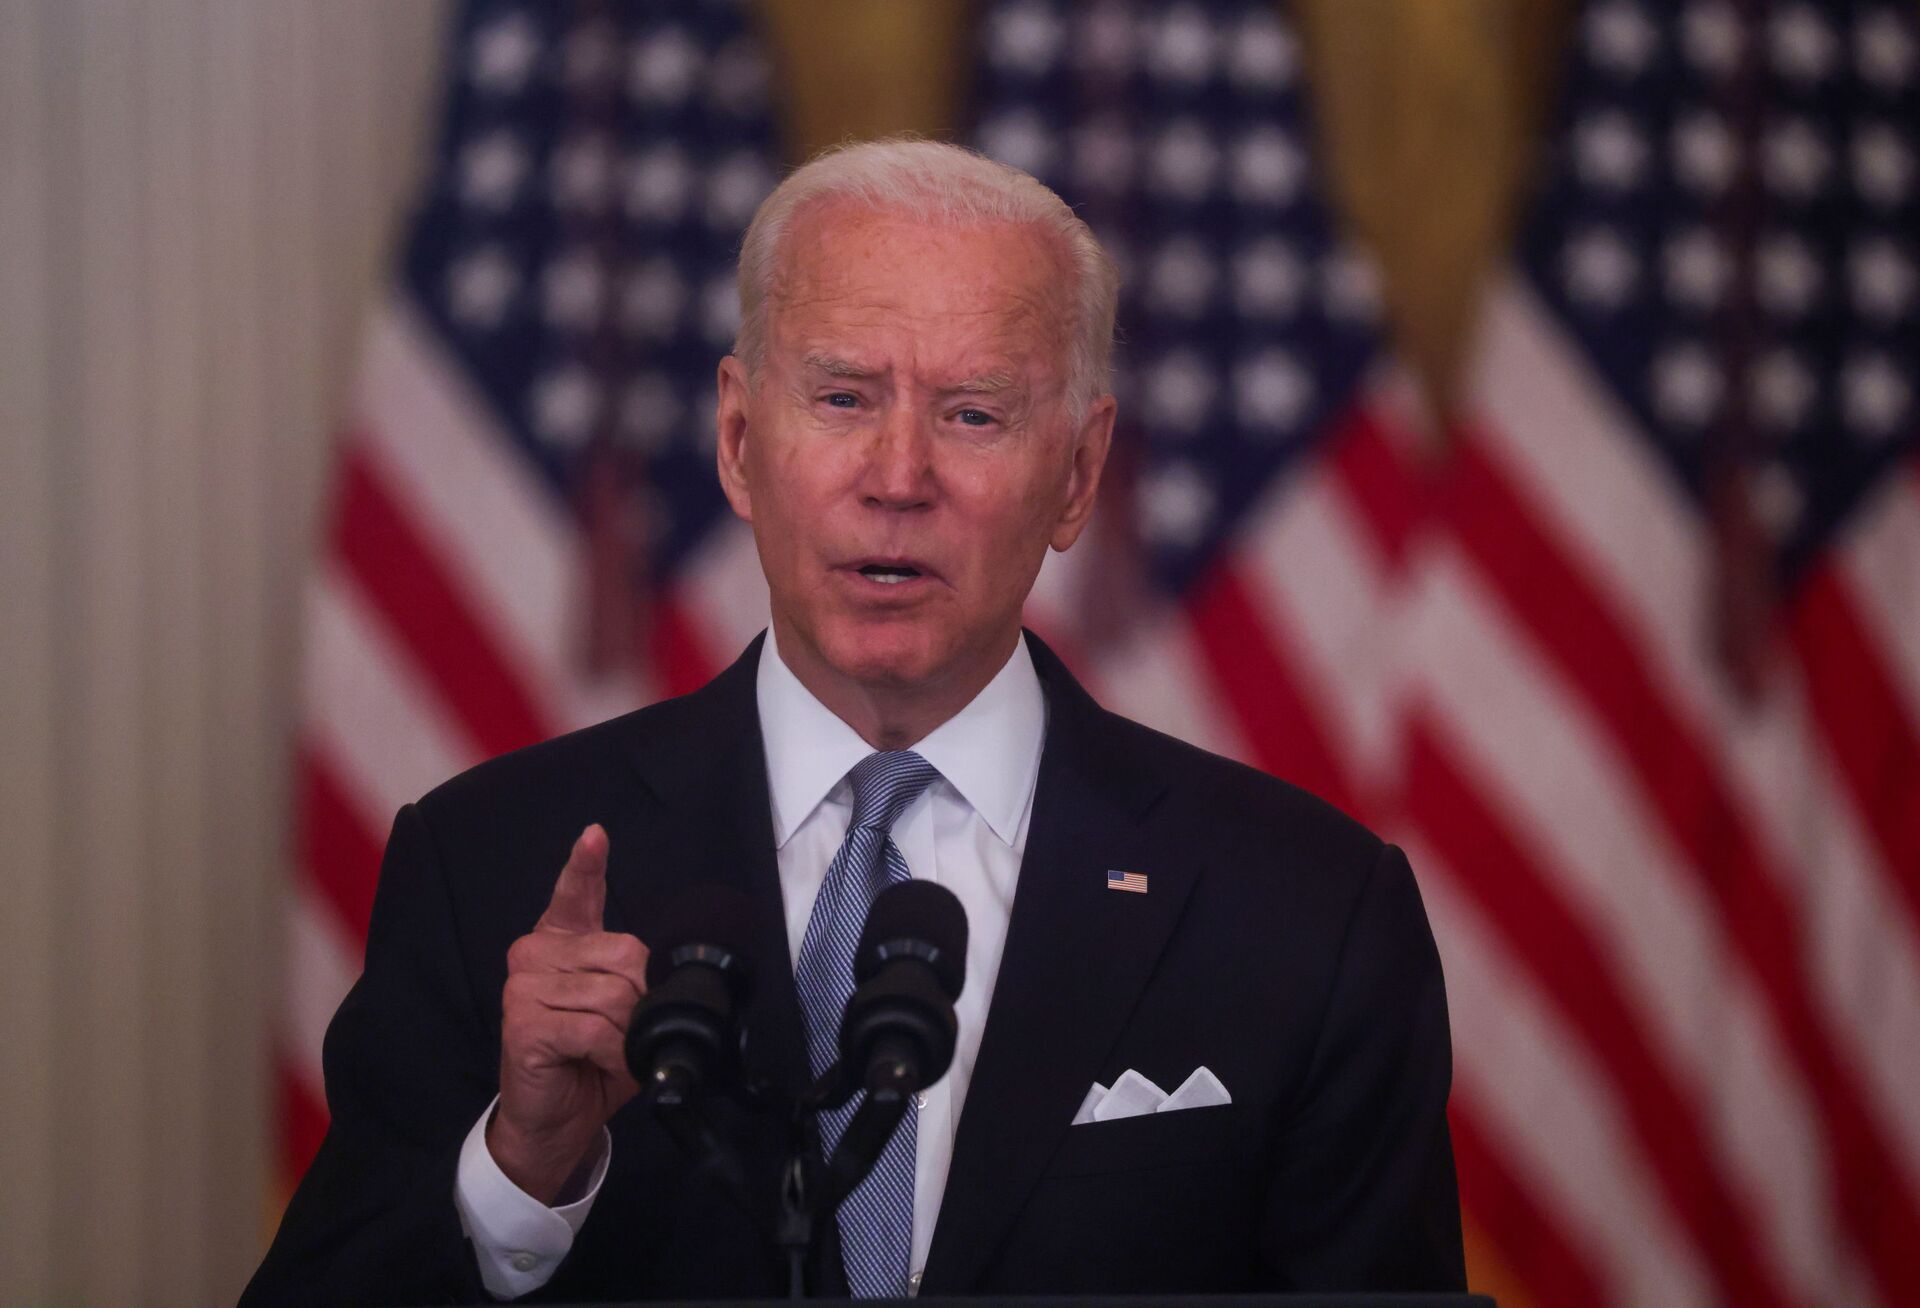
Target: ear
(730, 419)
(1091, 442)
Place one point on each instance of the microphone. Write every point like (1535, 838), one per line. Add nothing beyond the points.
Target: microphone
(684, 1038)
(898, 1033)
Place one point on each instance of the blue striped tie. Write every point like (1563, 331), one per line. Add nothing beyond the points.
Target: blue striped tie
(876, 1221)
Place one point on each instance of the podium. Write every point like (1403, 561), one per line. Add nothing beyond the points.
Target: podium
(1118, 1301)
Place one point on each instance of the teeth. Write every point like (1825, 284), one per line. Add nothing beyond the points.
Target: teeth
(891, 578)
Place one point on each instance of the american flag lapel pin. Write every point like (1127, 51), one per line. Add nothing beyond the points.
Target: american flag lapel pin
(1135, 882)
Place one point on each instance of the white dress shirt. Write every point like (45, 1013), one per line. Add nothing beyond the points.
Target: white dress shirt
(966, 832)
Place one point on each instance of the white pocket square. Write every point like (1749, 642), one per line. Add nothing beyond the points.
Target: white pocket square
(1133, 1096)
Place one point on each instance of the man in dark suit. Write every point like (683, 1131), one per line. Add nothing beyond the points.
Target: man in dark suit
(915, 411)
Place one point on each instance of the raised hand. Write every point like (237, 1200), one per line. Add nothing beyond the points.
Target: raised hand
(570, 993)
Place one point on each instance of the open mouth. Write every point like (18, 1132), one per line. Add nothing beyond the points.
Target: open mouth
(891, 574)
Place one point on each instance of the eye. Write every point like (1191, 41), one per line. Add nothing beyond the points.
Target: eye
(974, 417)
(843, 400)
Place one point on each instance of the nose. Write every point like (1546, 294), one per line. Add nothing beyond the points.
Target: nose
(899, 468)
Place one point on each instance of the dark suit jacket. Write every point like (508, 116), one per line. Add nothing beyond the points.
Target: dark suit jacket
(1280, 945)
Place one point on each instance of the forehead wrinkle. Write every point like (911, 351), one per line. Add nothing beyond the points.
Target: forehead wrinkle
(801, 277)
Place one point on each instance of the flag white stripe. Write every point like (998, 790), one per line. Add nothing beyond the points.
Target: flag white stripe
(1865, 963)
(1154, 674)
(1063, 577)
(1309, 560)
(369, 711)
(1879, 556)
(723, 587)
(1158, 677)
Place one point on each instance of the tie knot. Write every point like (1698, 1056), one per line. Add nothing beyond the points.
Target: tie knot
(885, 782)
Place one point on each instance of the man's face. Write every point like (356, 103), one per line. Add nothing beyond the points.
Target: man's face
(906, 455)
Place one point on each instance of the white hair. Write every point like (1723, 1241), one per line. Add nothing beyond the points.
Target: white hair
(943, 183)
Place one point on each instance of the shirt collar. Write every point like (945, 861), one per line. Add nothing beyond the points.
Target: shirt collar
(989, 751)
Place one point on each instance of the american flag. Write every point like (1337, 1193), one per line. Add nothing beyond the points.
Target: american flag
(1635, 673)
(1262, 426)
(1133, 882)
(526, 532)
(1662, 755)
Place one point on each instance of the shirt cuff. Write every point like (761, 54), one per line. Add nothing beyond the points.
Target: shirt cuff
(518, 1241)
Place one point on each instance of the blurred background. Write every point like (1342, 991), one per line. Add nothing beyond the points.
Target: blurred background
(1519, 448)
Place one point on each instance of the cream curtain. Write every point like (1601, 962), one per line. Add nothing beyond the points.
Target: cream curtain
(195, 199)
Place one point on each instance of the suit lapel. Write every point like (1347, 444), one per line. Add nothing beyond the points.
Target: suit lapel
(712, 822)
(1076, 958)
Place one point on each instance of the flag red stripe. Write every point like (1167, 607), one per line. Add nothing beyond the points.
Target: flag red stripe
(1860, 711)
(303, 1120)
(1064, 641)
(682, 658)
(1565, 616)
(1379, 480)
(1579, 976)
(1541, 1255)
(402, 576)
(1249, 670)
(338, 854)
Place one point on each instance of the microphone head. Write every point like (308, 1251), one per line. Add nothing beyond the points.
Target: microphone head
(709, 924)
(916, 919)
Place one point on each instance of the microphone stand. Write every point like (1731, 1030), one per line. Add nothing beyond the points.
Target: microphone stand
(867, 1134)
(793, 1230)
(679, 1111)
(804, 1199)
(889, 1088)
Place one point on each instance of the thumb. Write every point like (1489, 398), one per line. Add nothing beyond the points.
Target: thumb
(580, 893)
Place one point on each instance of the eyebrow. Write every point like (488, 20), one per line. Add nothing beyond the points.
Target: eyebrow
(832, 365)
(835, 366)
(991, 383)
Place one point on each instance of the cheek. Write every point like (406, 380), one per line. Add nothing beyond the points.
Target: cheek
(808, 466)
(1015, 527)
(779, 522)
(1042, 496)
(780, 477)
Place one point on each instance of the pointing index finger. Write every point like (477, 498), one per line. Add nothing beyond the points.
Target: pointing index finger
(579, 900)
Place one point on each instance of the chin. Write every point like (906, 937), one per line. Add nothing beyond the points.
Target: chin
(890, 654)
